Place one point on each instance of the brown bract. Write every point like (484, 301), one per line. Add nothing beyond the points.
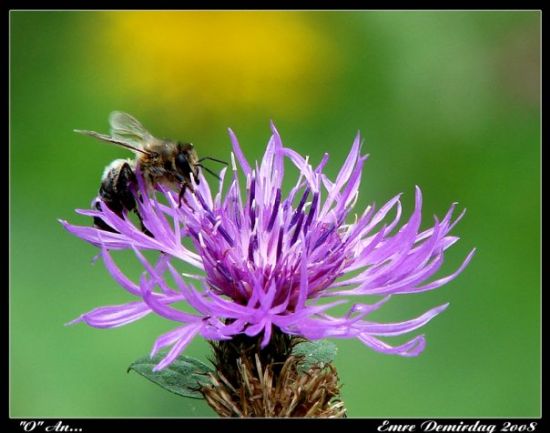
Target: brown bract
(250, 382)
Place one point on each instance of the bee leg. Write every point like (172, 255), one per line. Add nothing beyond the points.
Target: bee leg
(143, 228)
(181, 196)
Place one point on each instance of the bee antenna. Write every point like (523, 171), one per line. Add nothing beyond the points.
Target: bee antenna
(210, 171)
(213, 159)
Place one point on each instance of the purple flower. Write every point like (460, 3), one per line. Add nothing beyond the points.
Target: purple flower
(269, 259)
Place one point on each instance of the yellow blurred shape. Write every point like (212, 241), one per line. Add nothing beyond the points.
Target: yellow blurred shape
(222, 60)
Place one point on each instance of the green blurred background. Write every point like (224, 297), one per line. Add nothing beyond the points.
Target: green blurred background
(445, 100)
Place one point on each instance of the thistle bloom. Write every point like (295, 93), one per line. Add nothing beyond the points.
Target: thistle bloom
(269, 261)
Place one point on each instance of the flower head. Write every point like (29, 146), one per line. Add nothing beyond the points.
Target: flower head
(269, 260)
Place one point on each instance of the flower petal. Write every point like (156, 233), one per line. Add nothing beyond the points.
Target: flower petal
(411, 348)
(114, 316)
(239, 153)
(180, 338)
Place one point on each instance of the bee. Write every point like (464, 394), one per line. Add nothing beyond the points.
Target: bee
(160, 161)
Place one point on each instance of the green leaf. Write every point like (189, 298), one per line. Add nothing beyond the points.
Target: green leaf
(320, 352)
(184, 376)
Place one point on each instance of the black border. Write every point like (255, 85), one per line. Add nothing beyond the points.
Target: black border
(415, 425)
(89, 425)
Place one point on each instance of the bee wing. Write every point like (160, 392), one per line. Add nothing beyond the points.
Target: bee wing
(128, 129)
(113, 140)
